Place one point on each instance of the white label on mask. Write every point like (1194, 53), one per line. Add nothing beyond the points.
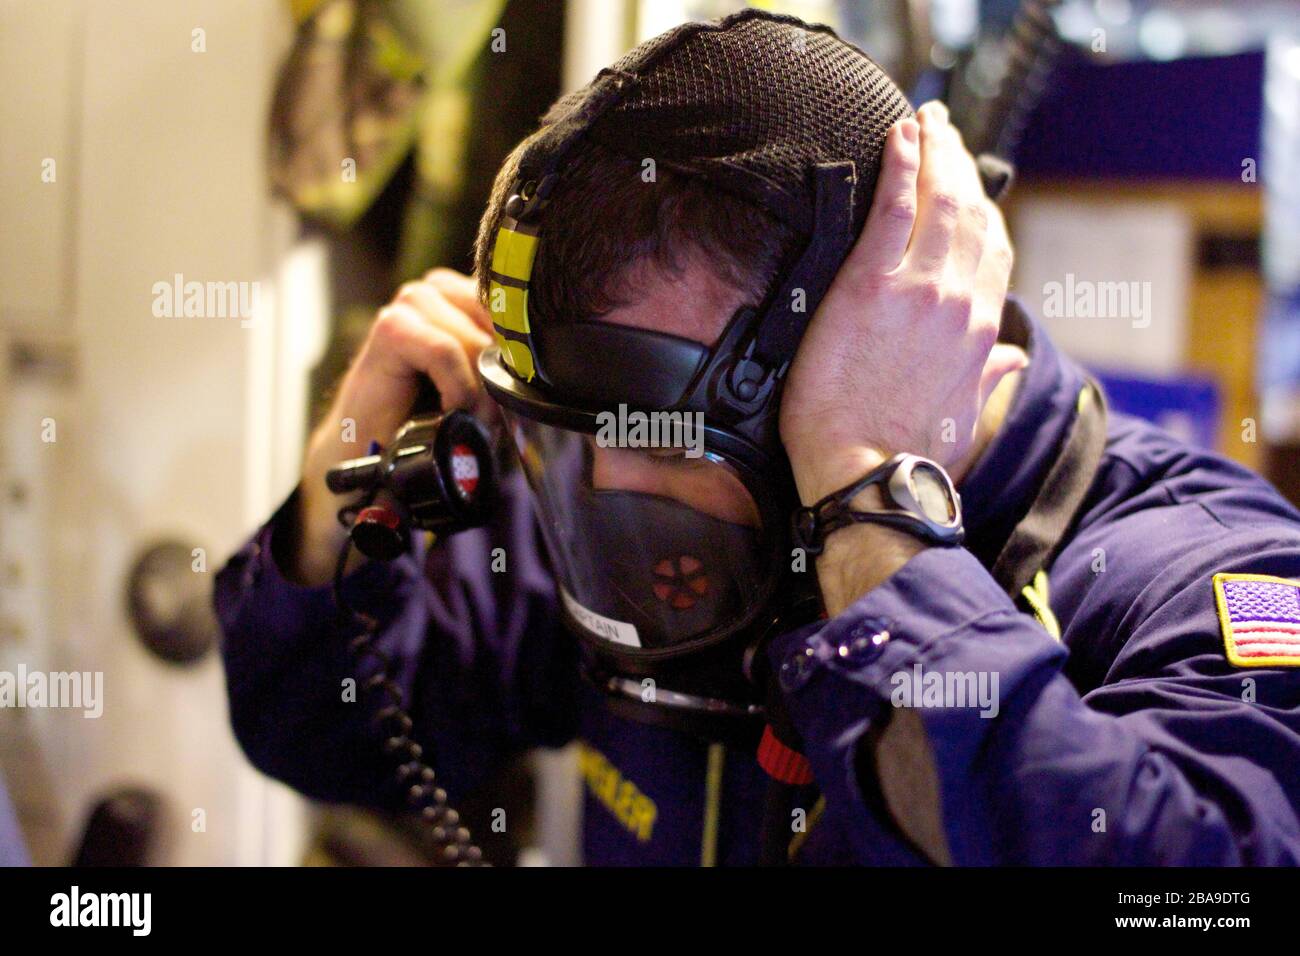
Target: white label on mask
(620, 632)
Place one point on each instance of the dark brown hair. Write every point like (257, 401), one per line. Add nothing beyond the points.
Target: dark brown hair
(604, 218)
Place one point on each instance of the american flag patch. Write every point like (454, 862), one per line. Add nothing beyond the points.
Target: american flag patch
(1260, 617)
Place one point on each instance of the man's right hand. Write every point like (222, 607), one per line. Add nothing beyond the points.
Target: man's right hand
(433, 328)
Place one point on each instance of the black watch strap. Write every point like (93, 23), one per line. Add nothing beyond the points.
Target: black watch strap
(897, 480)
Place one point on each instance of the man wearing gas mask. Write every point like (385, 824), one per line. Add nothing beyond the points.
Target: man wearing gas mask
(802, 644)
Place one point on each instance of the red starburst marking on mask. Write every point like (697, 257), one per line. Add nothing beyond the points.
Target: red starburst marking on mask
(681, 582)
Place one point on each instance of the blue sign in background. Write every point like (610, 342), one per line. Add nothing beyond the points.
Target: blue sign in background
(1189, 406)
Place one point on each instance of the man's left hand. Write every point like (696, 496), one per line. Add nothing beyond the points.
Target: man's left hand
(902, 352)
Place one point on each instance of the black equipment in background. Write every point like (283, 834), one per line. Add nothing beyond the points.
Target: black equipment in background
(123, 829)
(994, 85)
(169, 605)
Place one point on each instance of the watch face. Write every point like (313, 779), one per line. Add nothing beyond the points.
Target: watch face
(931, 493)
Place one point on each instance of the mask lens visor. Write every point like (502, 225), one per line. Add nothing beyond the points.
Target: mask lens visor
(652, 546)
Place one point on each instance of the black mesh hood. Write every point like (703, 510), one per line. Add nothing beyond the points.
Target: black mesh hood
(751, 103)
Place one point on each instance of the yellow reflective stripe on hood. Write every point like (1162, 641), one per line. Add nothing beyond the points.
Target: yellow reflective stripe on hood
(513, 254)
(508, 307)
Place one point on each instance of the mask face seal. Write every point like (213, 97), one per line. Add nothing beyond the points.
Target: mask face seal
(654, 551)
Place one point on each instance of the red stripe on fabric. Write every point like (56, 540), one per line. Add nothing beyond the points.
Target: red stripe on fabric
(781, 763)
(1270, 650)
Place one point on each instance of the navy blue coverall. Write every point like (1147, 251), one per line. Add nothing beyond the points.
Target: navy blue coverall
(1161, 727)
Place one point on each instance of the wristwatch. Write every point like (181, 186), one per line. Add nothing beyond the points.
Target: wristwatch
(911, 493)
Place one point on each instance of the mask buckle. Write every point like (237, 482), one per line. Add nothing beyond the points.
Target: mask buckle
(749, 381)
(530, 199)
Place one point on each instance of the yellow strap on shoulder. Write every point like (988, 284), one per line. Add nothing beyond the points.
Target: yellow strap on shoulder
(1036, 596)
(800, 838)
(712, 805)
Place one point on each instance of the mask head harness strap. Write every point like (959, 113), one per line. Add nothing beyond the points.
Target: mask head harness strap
(752, 369)
(738, 380)
(515, 246)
